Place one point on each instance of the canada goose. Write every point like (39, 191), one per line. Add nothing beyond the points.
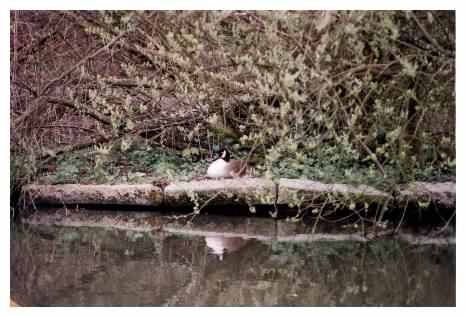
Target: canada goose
(223, 167)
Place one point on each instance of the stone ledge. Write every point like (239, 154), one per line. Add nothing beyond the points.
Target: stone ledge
(143, 195)
(241, 191)
(442, 194)
(310, 190)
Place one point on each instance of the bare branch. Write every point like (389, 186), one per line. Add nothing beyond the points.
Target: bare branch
(82, 61)
(80, 107)
(57, 126)
(70, 148)
(32, 109)
(431, 39)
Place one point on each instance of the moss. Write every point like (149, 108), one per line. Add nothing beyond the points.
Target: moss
(156, 196)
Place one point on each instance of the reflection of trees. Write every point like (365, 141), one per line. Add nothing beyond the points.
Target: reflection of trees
(111, 267)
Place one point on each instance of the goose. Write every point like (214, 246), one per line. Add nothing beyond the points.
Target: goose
(224, 167)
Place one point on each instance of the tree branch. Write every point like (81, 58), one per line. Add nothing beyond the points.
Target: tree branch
(70, 148)
(427, 35)
(82, 61)
(25, 115)
(92, 113)
(63, 127)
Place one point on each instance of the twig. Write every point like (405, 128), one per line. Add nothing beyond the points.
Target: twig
(446, 224)
(314, 227)
(70, 104)
(253, 148)
(63, 75)
(426, 34)
(86, 21)
(208, 201)
(384, 209)
(69, 148)
(63, 127)
(372, 156)
(32, 48)
(82, 61)
(402, 217)
(25, 86)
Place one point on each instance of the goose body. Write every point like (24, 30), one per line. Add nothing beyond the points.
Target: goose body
(223, 167)
(218, 169)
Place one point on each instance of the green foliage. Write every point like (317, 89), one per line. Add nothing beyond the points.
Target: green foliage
(352, 96)
(67, 171)
(322, 93)
(139, 164)
(23, 169)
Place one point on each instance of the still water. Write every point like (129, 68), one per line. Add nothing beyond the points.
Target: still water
(67, 266)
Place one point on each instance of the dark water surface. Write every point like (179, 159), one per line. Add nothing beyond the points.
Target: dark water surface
(66, 266)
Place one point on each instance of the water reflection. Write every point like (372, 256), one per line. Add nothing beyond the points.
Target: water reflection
(219, 245)
(59, 266)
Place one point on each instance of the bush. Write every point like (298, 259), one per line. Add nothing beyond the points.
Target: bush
(366, 96)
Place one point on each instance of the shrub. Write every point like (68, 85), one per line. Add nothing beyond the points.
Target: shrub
(318, 94)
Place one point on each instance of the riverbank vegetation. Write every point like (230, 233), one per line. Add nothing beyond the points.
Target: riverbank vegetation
(337, 96)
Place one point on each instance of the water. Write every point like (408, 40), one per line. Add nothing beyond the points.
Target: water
(69, 266)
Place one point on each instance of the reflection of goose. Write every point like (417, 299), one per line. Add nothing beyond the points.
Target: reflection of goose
(220, 245)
